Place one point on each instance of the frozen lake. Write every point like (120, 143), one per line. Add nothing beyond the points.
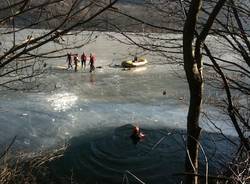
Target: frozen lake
(82, 104)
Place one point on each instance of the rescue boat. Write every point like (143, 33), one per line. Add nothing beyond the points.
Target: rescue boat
(131, 63)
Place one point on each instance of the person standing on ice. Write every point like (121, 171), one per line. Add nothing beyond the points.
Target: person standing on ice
(76, 60)
(69, 61)
(83, 60)
(91, 62)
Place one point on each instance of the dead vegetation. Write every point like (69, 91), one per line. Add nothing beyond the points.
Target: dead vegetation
(31, 169)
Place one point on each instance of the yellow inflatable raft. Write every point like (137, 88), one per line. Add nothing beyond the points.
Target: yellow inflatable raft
(131, 63)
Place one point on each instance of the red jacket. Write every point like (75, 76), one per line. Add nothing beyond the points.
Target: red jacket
(84, 57)
(92, 58)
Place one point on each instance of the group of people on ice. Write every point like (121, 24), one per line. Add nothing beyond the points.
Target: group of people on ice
(76, 60)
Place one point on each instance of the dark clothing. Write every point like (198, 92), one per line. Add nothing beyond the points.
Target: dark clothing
(91, 61)
(135, 138)
(83, 64)
(83, 60)
(69, 60)
(135, 59)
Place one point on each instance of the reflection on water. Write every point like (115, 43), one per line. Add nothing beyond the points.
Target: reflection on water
(92, 79)
(62, 101)
(139, 69)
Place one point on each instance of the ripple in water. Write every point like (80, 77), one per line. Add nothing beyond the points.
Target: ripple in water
(106, 158)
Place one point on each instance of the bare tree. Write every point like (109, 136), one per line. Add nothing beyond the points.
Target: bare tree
(226, 22)
(23, 50)
(193, 67)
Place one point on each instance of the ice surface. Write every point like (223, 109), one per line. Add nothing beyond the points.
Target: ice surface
(81, 102)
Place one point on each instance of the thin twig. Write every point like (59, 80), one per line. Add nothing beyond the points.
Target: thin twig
(8, 148)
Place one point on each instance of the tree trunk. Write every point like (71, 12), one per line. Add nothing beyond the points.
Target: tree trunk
(193, 68)
(193, 71)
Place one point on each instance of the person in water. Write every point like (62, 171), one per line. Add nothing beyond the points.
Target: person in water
(136, 135)
(83, 60)
(69, 61)
(76, 60)
(91, 62)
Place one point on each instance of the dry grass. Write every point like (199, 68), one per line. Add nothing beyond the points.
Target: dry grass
(30, 168)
